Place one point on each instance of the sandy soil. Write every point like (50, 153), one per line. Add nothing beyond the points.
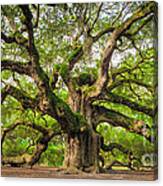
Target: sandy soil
(46, 172)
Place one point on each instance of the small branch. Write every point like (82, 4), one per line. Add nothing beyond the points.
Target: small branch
(134, 92)
(97, 16)
(75, 58)
(25, 100)
(41, 146)
(112, 146)
(134, 81)
(18, 40)
(139, 28)
(15, 66)
(101, 33)
(37, 17)
(129, 70)
(120, 14)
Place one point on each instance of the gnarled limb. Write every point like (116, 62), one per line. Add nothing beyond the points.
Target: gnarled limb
(111, 97)
(102, 114)
(49, 102)
(25, 100)
(115, 35)
(41, 146)
(30, 160)
(112, 146)
(34, 126)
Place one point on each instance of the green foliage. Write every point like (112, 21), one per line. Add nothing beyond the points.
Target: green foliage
(64, 70)
(20, 141)
(74, 53)
(54, 154)
(131, 142)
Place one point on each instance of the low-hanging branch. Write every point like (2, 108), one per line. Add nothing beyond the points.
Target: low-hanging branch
(30, 160)
(34, 126)
(102, 114)
(114, 98)
(114, 118)
(113, 146)
(110, 147)
(41, 146)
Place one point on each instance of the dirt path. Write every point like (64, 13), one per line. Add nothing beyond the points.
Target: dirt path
(46, 172)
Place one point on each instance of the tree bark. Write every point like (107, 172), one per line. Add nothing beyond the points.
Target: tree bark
(82, 151)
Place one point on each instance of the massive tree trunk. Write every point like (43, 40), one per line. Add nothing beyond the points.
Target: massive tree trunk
(82, 151)
(82, 148)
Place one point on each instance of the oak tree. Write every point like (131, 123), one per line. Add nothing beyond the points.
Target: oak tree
(83, 74)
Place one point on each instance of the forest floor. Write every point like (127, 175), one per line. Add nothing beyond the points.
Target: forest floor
(46, 172)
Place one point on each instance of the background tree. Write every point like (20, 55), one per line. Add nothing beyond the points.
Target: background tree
(79, 83)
